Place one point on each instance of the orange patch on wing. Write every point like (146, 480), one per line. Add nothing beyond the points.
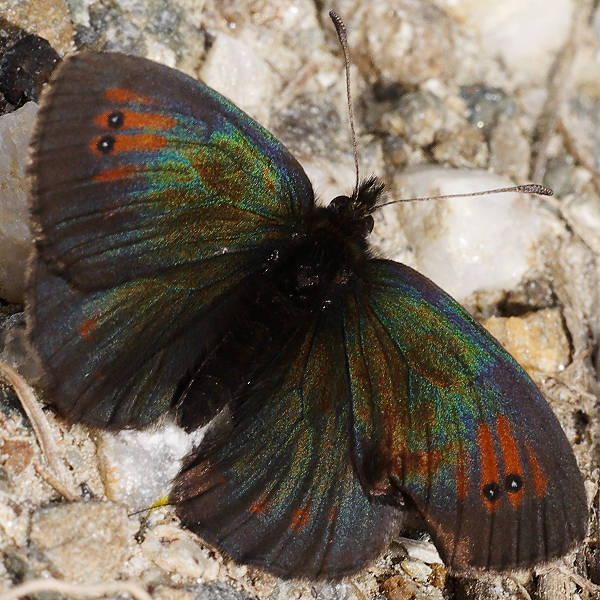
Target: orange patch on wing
(260, 505)
(137, 120)
(540, 481)
(510, 454)
(418, 465)
(131, 143)
(333, 513)
(87, 328)
(125, 95)
(489, 463)
(300, 518)
(117, 173)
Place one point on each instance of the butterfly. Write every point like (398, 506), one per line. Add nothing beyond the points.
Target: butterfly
(182, 264)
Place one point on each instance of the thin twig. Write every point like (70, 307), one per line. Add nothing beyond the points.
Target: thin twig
(42, 429)
(75, 589)
(55, 482)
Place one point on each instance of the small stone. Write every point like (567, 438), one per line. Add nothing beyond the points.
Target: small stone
(17, 566)
(417, 569)
(217, 590)
(524, 35)
(25, 68)
(163, 592)
(417, 118)
(409, 42)
(510, 153)
(334, 590)
(50, 19)
(118, 33)
(485, 105)
(400, 587)
(461, 147)
(421, 551)
(138, 466)
(560, 175)
(583, 211)
(17, 455)
(178, 552)
(86, 542)
(6, 485)
(537, 341)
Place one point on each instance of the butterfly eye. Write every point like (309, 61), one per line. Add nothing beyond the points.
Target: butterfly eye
(340, 203)
(106, 144)
(513, 483)
(492, 491)
(116, 119)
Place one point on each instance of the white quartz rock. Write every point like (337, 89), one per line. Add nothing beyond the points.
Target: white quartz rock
(464, 245)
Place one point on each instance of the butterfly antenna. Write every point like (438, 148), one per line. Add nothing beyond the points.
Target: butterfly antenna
(341, 33)
(528, 188)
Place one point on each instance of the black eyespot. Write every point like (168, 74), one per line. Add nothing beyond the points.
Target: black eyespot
(106, 144)
(513, 483)
(492, 491)
(116, 119)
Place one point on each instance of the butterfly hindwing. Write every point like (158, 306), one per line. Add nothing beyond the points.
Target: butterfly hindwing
(446, 416)
(282, 493)
(153, 199)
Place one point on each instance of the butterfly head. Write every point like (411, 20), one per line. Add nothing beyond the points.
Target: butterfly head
(355, 211)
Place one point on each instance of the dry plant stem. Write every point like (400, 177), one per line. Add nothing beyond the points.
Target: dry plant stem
(42, 430)
(559, 79)
(76, 590)
(52, 480)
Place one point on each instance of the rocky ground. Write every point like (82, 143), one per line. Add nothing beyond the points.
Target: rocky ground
(449, 96)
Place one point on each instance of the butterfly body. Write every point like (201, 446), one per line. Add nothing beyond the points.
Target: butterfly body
(182, 263)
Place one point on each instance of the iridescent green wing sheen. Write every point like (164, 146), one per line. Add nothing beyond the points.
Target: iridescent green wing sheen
(153, 199)
(282, 492)
(445, 416)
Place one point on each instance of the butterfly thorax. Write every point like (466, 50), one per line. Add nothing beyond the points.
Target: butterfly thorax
(302, 279)
(329, 250)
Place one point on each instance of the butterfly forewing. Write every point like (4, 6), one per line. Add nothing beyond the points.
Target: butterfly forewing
(139, 168)
(153, 199)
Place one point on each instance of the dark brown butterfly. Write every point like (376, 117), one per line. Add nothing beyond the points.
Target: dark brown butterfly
(182, 263)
